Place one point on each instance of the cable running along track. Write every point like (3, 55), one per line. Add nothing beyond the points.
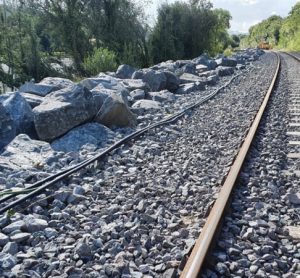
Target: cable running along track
(42, 185)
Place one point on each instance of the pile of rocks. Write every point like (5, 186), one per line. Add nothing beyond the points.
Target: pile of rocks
(135, 215)
(72, 116)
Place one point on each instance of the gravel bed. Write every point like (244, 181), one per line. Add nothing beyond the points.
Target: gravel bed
(260, 237)
(138, 212)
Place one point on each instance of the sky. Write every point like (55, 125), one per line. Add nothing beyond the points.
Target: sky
(245, 13)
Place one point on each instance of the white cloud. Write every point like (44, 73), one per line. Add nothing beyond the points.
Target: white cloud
(249, 2)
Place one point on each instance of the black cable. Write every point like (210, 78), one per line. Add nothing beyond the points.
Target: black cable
(47, 182)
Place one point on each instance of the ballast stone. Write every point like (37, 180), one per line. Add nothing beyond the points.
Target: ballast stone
(62, 110)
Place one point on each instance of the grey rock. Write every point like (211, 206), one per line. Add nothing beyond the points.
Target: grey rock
(125, 71)
(50, 233)
(190, 78)
(75, 139)
(24, 154)
(83, 250)
(14, 226)
(134, 84)
(7, 127)
(4, 220)
(224, 71)
(7, 261)
(201, 68)
(37, 89)
(155, 79)
(190, 87)
(62, 110)
(226, 62)
(10, 248)
(137, 94)
(172, 82)
(222, 268)
(146, 106)
(20, 237)
(33, 100)
(57, 83)
(144, 268)
(162, 96)
(205, 60)
(91, 83)
(33, 224)
(3, 239)
(114, 112)
(212, 80)
(293, 198)
(20, 112)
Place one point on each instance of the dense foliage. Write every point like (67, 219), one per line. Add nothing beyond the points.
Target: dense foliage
(38, 37)
(278, 32)
(185, 30)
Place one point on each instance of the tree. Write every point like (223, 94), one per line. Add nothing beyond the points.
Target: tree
(185, 30)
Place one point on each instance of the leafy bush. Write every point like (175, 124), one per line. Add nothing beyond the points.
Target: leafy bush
(228, 52)
(101, 60)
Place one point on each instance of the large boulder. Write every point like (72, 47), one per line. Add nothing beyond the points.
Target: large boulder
(57, 83)
(155, 79)
(226, 62)
(37, 89)
(205, 60)
(24, 153)
(224, 71)
(162, 96)
(46, 86)
(115, 112)
(20, 112)
(104, 81)
(189, 68)
(173, 81)
(7, 127)
(90, 133)
(134, 84)
(100, 93)
(125, 71)
(146, 106)
(62, 110)
(165, 66)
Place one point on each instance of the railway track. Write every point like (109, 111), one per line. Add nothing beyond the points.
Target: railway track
(142, 196)
(201, 262)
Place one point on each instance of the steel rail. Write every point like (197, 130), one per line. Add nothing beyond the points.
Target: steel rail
(292, 55)
(42, 185)
(195, 261)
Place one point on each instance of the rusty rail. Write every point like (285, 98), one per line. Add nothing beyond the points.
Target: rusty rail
(292, 55)
(193, 266)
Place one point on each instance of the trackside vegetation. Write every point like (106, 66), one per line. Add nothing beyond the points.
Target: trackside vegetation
(82, 37)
